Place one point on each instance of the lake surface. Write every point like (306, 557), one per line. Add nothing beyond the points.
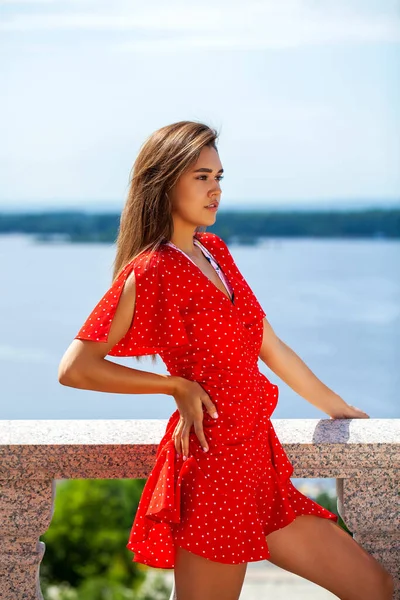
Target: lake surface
(334, 302)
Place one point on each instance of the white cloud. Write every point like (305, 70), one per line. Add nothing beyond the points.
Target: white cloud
(303, 124)
(266, 24)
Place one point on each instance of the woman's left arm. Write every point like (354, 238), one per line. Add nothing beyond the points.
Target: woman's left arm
(289, 367)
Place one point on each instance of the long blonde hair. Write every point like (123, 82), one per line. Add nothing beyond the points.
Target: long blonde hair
(146, 220)
(165, 155)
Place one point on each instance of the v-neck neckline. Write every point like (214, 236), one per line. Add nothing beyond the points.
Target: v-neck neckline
(211, 283)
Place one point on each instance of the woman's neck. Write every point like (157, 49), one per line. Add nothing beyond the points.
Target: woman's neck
(185, 244)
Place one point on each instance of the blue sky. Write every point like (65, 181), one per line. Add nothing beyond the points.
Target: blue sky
(305, 94)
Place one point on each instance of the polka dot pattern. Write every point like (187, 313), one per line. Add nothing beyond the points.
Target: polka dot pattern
(157, 322)
(220, 504)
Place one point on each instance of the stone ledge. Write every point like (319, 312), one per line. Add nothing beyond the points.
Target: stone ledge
(126, 448)
(362, 454)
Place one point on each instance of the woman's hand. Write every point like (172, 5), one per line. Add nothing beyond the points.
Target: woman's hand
(347, 411)
(189, 397)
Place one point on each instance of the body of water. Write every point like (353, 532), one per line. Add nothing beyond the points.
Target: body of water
(334, 302)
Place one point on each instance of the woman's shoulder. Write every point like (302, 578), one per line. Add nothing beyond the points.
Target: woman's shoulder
(216, 245)
(146, 262)
(210, 239)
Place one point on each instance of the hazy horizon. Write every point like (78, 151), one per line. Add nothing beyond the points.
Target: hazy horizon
(115, 207)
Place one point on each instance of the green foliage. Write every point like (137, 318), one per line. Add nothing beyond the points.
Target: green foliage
(100, 588)
(89, 531)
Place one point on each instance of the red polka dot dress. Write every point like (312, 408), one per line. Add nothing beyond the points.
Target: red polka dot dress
(222, 503)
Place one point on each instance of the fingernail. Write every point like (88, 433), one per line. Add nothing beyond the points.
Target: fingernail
(185, 457)
(215, 415)
(205, 449)
(178, 455)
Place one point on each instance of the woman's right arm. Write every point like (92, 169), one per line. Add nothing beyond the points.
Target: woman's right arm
(84, 364)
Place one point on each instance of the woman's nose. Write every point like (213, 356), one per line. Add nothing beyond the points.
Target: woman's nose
(216, 187)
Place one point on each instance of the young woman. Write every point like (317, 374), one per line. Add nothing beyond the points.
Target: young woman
(220, 494)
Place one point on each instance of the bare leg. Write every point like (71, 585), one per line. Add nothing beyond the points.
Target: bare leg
(198, 578)
(321, 551)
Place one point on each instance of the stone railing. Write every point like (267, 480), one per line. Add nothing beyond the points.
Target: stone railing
(362, 454)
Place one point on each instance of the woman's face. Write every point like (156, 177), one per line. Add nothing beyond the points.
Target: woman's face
(198, 187)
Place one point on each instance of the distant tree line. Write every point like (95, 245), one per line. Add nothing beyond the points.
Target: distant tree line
(244, 227)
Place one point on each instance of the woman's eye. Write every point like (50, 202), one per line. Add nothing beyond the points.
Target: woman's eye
(219, 177)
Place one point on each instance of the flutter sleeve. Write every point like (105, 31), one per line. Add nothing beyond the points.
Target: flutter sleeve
(157, 322)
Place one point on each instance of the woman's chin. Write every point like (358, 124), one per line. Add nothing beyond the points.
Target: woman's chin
(210, 218)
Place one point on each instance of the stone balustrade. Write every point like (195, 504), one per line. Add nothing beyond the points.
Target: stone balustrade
(362, 454)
